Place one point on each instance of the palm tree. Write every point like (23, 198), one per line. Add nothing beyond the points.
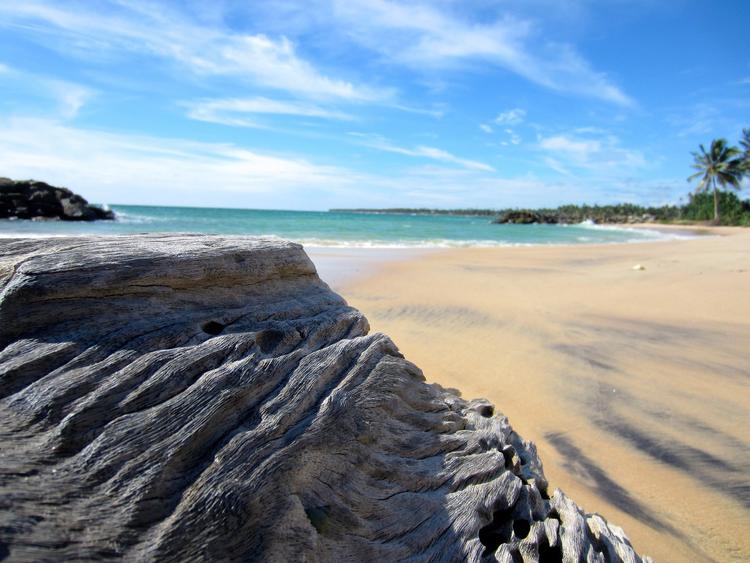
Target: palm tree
(721, 165)
(745, 143)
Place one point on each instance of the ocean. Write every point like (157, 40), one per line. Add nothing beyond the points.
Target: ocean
(334, 229)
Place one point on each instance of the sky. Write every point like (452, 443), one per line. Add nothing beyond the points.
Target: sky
(318, 104)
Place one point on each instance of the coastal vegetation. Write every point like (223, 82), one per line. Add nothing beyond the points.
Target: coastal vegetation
(721, 167)
(698, 208)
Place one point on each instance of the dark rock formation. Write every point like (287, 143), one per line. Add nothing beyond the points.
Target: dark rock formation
(204, 398)
(525, 217)
(29, 199)
(570, 215)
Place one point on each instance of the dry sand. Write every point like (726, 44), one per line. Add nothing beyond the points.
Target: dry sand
(635, 384)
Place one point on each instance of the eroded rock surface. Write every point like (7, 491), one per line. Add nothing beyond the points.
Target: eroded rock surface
(204, 398)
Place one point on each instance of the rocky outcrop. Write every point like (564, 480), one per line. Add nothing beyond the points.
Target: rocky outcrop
(29, 199)
(196, 398)
(525, 217)
(555, 216)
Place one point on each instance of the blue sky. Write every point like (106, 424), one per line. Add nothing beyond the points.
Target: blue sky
(369, 103)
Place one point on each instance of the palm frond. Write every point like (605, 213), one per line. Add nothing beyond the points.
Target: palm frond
(745, 141)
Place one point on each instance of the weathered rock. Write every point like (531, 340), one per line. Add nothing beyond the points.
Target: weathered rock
(196, 398)
(29, 199)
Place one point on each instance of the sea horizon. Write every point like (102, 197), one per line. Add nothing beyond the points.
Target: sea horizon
(344, 229)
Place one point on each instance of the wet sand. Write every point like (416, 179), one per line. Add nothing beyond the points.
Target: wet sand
(635, 384)
(340, 267)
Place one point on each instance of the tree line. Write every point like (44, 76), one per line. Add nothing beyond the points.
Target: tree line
(720, 167)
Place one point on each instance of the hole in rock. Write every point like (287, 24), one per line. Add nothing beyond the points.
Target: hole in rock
(598, 545)
(508, 454)
(544, 492)
(267, 340)
(497, 532)
(487, 411)
(521, 528)
(213, 328)
(319, 517)
(549, 554)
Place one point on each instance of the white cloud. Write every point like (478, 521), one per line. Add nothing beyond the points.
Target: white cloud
(233, 111)
(70, 97)
(486, 128)
(580, 150)
(135, 27)
(599, 154)
(511, 117)
(421, 35)
(67, 97)
(380, 143)
(435, 112)
(697, 119)
(556, 165)
(120, 168)
(515, 139)
(113, 168)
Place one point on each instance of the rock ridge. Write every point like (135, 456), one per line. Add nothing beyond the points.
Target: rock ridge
(173, 397)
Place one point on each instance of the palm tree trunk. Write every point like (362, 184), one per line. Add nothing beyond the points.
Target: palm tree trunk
(716, 204)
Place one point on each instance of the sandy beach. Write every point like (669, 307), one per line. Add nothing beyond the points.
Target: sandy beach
(634, 383)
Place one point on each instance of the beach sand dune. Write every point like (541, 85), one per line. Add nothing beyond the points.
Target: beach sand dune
(643, 374)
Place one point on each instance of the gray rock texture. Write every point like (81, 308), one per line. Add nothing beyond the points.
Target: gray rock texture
(29, 199)
(196, 398)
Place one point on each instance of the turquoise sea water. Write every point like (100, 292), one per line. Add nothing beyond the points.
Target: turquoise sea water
(320, 228)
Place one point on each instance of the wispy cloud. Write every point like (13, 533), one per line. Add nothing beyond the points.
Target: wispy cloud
(421, 35)
(513, 137)
(698, 119)
(169, 170)
(134, 168)
(513, 116)
(67, 97)
(432, 153)
(595, 154)
(486, 128)
(71, 97)
(136, 27)
(234, 111)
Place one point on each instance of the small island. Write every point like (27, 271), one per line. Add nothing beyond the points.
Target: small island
(29, 199)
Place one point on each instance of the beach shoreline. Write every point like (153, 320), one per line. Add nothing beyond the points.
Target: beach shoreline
(696, 229)
(641, 370)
